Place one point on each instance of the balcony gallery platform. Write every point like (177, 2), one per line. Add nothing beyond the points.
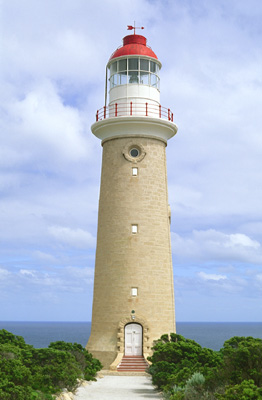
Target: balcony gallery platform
(114, 127)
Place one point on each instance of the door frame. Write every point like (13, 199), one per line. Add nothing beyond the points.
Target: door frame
(142, 336)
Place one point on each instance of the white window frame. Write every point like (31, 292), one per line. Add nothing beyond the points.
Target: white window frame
(134, 229)
(134, 291)
(134, 171)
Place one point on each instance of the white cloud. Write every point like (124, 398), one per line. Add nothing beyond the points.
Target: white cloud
(86, 275)
(4, 273)
(214, 245)
(211, 277)
(45, 257)
(74, 237)
(27, 272)
(182, 196)
(67, 279)
(227, 269)
(240, 239)
(42, 129)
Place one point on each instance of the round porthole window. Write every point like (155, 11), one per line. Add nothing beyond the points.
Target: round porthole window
(134, 152)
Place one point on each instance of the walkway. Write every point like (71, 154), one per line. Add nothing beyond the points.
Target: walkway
(118, 388)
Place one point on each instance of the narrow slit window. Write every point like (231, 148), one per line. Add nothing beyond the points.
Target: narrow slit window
(134, 291)
(134, 171)
(134, 228)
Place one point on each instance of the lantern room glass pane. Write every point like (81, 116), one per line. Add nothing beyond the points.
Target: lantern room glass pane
(123, 78)
(133, 64)
(154, 80)
(144, 65)
(153, 66)
(144, 78)
(113, 81)
(122, 65)
(113, 68)
(133, 77)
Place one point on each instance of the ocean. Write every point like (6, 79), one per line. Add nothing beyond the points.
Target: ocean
(207, 334)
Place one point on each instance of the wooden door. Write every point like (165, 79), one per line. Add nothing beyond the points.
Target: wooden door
(133, 340)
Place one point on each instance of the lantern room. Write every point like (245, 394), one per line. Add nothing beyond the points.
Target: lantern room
(132, 92)
(133, 72)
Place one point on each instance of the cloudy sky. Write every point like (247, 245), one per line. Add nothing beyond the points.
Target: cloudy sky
(53, 57)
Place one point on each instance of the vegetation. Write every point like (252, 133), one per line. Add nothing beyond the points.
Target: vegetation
(184, 370)
(27, 373)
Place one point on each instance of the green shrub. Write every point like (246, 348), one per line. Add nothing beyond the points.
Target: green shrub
(89, 365)
(243, 360)
(185, 370)
(176, 360)
(53, 370)
(246, 390)
(176, 393)
(194, 389)
(27, 373)
(8, 338)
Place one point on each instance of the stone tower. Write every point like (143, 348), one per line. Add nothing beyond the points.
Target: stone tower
(133, 302)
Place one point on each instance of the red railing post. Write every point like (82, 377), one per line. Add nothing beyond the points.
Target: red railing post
(172, 117)
(159, 110)
(104, 112)
(115, 109)
(168, 114)
(130, 107)
(146, 109)
(97, 116)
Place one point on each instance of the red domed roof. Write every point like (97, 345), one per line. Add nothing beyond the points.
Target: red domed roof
(133, 45)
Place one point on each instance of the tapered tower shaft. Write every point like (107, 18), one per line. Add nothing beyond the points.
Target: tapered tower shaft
(133, 285)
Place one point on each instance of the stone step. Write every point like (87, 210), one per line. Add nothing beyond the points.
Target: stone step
(132, 363)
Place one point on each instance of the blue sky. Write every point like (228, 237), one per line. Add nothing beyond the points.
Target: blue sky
(52, 81)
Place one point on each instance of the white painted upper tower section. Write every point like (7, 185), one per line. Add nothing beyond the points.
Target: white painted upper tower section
(134, 73)
(133, 93)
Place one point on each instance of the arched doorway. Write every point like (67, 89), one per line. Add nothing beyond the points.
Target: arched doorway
(133, 340)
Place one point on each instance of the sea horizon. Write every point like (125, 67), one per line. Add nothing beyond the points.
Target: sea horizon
(198, 322)
(208, 334)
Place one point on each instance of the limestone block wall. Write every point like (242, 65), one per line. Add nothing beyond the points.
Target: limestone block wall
(126, 260)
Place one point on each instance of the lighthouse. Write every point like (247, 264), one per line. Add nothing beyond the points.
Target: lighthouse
(133, 301)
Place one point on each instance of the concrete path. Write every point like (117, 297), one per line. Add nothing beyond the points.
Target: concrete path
(118, 388)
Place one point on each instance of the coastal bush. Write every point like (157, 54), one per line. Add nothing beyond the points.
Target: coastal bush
(176, 359)
(246, 390)
(27, 373)
(242, 360)
(186, 371)
(195, 387)
(8, 338)
(88, 364)
(53, 370)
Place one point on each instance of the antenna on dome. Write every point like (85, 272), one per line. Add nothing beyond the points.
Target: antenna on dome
(130, 27)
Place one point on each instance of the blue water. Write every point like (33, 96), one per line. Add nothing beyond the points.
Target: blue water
(40, 334)
(214, 334)
(207, 334)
